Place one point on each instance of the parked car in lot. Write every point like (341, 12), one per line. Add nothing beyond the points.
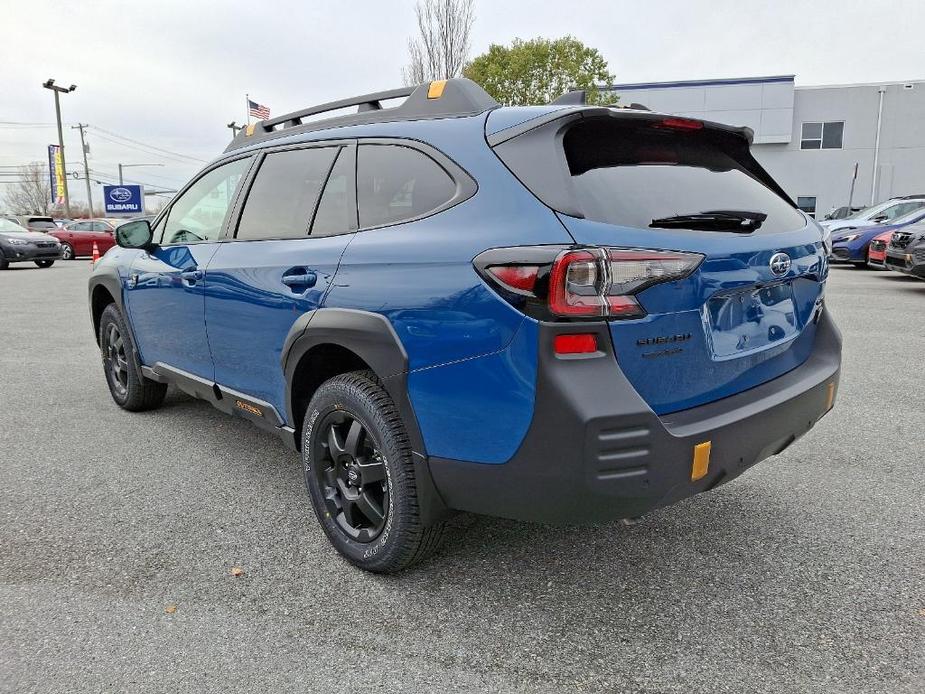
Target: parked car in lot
(876, 253)
(851, 245)
(842, 212)
(77, 238)
(884, 213)
(917, 251)
(38, 223)
(899, 251)
(19, 245)
(613, 350)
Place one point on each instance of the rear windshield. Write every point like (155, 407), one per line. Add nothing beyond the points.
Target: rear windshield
(41, 224)
(632, 174)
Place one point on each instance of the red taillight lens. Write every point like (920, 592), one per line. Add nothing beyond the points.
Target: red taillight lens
(549, 282)
(519, 277)
(574, 285)
(679, 124)
(582, 343)
(602, 281)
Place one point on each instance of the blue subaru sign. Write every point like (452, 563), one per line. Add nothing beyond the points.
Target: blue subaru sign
(124, 199)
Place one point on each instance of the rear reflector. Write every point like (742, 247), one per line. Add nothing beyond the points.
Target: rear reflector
(701, 461)
(581, 343)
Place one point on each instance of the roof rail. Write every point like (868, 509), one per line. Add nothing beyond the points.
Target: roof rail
(440, 99)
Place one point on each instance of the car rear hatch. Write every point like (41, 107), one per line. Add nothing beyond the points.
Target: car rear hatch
(624, 179)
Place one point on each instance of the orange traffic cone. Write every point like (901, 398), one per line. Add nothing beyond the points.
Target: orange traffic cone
(96, 255)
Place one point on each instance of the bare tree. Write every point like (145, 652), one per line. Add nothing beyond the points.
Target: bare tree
(32, 192)
(441, 48)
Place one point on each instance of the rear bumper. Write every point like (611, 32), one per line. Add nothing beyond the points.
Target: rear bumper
(596, 452)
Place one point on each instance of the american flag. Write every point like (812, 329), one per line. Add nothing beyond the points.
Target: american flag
(258, 110)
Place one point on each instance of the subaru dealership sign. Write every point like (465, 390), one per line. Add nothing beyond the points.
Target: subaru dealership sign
(124, 199)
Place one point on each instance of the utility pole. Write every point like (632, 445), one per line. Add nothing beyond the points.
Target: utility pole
(50, 84)
(83, 148)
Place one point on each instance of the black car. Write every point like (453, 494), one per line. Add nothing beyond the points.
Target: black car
(916, 250)
(19, 245)
(899, 253)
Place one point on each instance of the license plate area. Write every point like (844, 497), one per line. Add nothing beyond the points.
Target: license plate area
(743, 321)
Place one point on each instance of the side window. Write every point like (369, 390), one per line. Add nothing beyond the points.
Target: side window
(396, 183)
(99, 226)
(334, 215)
(80, 226)
(199, 214)
(281, 200)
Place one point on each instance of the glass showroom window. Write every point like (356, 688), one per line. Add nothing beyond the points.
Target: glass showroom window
(822, 135)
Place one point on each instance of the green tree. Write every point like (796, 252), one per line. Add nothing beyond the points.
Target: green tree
(539, 70)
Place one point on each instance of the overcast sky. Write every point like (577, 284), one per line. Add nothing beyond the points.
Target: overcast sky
(172, 73)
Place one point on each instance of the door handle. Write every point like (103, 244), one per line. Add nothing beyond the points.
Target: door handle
(191, 276)
(299, 277)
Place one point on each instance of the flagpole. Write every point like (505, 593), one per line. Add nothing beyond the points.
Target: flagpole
(247, 107)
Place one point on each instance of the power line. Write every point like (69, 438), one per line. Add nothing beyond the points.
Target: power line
(142, 144)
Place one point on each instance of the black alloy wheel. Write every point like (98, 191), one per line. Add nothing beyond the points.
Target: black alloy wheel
(116, 361)
(351, 475)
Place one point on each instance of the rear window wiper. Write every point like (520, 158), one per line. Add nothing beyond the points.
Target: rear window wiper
(739, 221)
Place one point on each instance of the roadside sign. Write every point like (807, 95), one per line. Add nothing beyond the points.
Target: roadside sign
(124, 199)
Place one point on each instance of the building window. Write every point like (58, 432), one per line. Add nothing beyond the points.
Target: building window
(807, 204)
(822, 135)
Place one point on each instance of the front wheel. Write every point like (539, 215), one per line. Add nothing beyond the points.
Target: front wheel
(130, 390)
(360, 475)
(44, 263)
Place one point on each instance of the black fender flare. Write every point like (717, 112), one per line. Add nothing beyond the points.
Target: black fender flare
(372, 338)
(368, 335)
(108, 279)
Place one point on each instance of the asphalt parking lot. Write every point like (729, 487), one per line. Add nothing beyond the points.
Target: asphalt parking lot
(807, 574)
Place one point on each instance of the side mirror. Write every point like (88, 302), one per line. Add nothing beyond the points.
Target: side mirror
(136, 234)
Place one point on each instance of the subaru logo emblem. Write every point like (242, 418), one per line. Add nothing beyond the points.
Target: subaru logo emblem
(120, 194)
(779, 264)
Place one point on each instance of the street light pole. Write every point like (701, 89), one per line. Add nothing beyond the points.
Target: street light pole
(125, 166)
(83, 148)
(50, 84)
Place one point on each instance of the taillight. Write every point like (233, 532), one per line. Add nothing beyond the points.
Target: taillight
(678, 124)
(577, 283)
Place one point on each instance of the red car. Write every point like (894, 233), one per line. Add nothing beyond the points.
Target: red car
(876, 252)
(77, 237)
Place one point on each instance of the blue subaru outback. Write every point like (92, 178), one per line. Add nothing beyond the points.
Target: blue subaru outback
(561, 313)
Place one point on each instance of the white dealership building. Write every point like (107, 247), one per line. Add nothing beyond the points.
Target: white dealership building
(813, 139)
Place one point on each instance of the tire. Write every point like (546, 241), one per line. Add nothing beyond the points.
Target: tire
(372, 519)
(129, 390)
(67, 251)
(44, 263)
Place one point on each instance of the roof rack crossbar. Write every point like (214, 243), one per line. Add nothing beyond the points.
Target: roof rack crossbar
(453, 98)
(366, 102)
